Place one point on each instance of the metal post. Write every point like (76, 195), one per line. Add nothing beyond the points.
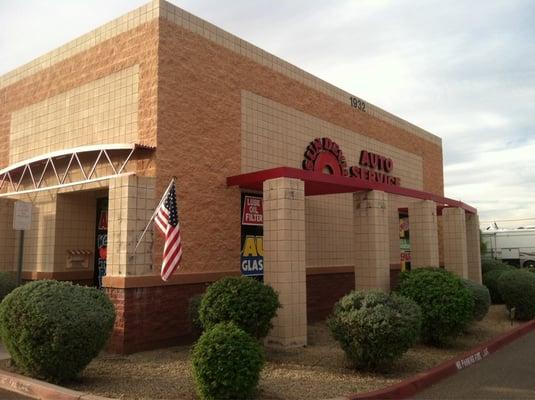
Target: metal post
(21, 254)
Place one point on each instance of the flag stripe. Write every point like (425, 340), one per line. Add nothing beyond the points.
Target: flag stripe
(167, 222)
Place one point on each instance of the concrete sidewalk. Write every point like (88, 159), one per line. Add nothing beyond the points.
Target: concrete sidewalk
(507, 374)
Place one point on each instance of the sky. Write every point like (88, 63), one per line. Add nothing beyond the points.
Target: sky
(463, 70)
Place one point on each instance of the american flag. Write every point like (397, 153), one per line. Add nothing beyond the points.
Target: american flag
(167, 220)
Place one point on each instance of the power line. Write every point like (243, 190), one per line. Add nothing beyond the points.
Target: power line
(509, 220)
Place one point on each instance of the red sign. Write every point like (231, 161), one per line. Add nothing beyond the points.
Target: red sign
(324, 155)
(406, 256)
(252, 211)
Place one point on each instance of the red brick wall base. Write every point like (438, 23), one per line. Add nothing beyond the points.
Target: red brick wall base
(151, 317)
(157, 316)
(323, 290)
(395, 270)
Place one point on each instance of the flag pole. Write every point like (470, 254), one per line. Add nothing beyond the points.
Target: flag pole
(153, 215)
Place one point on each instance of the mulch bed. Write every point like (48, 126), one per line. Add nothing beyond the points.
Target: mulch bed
(318, 371)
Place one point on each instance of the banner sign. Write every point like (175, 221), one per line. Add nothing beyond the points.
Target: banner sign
(252, 211)
(252, 236)
(405, 242)
(252, 256)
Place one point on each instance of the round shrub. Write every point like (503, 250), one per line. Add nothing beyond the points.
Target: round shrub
(517, 289)
(375, 328)
(491, 265)
(226, 363)
(8, 283)
(446, 304)
(245, 301)
(490, 280)
(481, 296)
(54, 329)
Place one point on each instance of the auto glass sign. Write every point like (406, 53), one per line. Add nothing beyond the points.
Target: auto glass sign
(252, 256)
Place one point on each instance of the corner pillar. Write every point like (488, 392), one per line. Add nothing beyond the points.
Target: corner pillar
(424, 234)
(473, 247)
(454, 236)
(284, 259)
(130, 206)
(131, 203)
(371, 240)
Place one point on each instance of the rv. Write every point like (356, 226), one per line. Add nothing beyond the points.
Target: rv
(513, 246)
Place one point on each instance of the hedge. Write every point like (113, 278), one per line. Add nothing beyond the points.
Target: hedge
(226, 363)
(375, 328)
(248, 303)
(447, 305)
(54, 329)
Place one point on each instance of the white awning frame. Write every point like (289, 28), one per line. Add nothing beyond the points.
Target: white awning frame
(99, 152)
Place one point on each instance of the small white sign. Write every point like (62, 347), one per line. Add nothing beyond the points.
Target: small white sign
(22, 216)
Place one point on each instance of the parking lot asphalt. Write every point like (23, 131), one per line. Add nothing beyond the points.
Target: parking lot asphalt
(507, 374)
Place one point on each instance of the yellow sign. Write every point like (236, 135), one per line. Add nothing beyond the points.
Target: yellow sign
(252, 255)
(253, 246)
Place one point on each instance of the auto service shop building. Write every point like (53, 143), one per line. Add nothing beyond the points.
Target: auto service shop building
(279, 174)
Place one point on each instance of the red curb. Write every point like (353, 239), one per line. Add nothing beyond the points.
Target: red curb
(422, 380)
(37, 389)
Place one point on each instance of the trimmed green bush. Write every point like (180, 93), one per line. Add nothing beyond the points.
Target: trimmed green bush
(517, 289)
(245, 301)
(193, 313)
(491, 265)
(481, 296)
(54, 329)
(490, 280)
(8, 283)
(226, 363)
(375, 328)
(446, 304)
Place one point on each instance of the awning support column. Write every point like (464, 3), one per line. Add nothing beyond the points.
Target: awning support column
(424, 234)
(474, 247)
(284, 259)
(372, 255)
(455, 253)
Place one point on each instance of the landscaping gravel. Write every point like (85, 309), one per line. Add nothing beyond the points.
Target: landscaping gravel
(318, 371)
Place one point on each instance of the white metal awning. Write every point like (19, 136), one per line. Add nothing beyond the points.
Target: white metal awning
(62, 165)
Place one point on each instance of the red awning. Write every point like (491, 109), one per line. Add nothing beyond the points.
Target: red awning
(317, 183)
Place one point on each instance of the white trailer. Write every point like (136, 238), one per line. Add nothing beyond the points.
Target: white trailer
(514, 246)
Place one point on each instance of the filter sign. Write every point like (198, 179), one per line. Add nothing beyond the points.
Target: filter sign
(252, 211)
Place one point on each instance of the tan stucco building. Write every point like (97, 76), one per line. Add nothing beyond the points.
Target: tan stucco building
(92, 132)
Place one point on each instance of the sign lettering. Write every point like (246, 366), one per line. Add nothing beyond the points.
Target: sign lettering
(252, 256)
(252, 211)
(325, 156)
